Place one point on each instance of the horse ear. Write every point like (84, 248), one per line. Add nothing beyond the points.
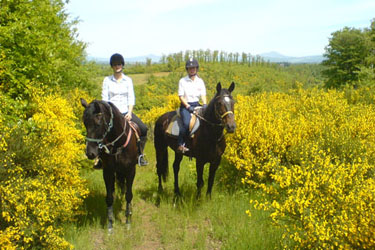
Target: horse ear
(84, 103)
(218, 87)
(231, 87)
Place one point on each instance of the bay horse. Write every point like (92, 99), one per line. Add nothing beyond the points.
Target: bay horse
(110, 136)
(207, 145)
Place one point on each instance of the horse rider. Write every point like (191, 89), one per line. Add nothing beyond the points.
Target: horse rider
(191, 88)
(118, 89)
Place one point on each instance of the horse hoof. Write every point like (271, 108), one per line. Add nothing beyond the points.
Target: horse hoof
(128, 226)
(110, 231)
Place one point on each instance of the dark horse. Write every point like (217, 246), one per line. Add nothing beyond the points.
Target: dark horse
(111, 136)
(207, 145)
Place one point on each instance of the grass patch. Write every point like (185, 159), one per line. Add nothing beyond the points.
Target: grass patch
(163, 222)
(139, 79)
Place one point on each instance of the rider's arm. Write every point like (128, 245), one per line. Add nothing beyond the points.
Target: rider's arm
(128, 115)
(184, 102)
(105, 90)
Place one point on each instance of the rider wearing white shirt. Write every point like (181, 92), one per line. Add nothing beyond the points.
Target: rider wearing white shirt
(190, 89)
(118, 89)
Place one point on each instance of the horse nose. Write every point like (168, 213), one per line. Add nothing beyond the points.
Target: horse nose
(231, 128)
(91, 150)
(90, 155)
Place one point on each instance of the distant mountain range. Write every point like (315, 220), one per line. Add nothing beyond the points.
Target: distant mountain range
(279, 58)
(270, 56)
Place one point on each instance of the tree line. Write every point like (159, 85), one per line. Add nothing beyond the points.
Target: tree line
(175, 60)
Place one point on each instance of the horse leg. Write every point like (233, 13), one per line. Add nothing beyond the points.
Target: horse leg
(121, 182)
(129, 195)
(176, 169)
(211, 176)
(109, 180)
(162, 166)
(161, 149)
(200, 182)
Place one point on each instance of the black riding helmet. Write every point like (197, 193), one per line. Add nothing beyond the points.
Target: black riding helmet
(191, 63)
(116, 58)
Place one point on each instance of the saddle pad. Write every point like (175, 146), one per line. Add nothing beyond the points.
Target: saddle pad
(176, 123)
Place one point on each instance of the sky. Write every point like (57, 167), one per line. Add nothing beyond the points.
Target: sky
(144, 27)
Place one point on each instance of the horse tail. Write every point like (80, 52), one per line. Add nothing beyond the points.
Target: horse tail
(161, 149)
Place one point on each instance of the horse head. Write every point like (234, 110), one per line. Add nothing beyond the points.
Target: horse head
(98, 120)
(224, 107)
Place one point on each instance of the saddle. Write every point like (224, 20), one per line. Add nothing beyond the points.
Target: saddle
(173, 128)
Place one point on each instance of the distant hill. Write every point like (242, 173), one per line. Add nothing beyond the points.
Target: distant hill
(279, 58)
(269, 56)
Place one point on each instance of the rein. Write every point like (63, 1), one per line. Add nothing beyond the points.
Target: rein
(209, 122)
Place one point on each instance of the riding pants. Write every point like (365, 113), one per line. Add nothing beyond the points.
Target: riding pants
(185, 117)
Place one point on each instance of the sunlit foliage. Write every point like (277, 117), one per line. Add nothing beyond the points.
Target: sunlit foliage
(40, 185)
(311, 153)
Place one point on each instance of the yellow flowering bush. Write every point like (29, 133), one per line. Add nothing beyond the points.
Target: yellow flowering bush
(172, 103)
(40, 186)
(74, 96)
(312, 156)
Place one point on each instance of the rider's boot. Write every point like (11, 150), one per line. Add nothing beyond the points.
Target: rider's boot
(141, 146)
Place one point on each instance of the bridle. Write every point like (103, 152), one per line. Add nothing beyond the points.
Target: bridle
(217, 114)
(101, 143)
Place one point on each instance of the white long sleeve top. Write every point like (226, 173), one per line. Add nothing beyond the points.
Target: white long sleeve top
(120, 93)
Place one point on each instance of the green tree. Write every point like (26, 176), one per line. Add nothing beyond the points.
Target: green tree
(367, 72)
(38, 47)
(346, 53)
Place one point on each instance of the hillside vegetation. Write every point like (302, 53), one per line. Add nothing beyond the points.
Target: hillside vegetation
(299, 169)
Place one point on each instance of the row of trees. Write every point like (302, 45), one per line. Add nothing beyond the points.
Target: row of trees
(351, 57)
(175, 60)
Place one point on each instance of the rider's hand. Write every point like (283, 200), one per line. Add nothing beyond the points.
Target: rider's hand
(128, 116)
(190, 109)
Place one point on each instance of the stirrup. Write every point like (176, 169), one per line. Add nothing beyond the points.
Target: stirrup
(182, 149)
(142, 160)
